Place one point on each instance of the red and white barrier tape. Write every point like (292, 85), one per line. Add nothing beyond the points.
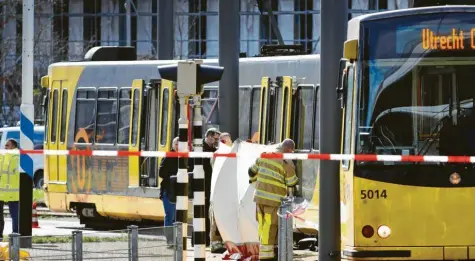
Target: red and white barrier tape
(290, 156)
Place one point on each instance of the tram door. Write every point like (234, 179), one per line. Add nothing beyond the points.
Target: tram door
(283, 108)
(149, 172)
(304, 131)
(266, 108)
(275, 111)
(167, 116)
(53, 161)
(134, 135)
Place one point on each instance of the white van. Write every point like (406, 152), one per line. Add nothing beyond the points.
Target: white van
(38, 159)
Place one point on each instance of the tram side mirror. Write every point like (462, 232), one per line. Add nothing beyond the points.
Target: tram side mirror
(44, 103)
(44, 106)
(342, 82)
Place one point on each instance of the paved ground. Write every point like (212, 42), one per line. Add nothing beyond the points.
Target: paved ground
(152, 244)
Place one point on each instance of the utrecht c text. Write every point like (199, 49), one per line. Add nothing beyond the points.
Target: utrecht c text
(453, 41)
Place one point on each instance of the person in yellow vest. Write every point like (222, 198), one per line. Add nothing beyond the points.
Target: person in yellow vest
(272, 178)
(10, 185)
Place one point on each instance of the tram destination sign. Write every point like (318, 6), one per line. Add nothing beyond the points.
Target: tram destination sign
(454, 40)
(436, 34)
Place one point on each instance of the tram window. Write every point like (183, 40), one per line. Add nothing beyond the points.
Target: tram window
(263, 122)
(124, 116)
(244, 112)
(164, 118)
(284, 118)
(316, 126)
(135, 117)
(305, 125)
(106, 121)
(85, 114)
(47, 119)
(277, 116)
(256, 97)
(209, 108)
(54, 118)
(64, 112)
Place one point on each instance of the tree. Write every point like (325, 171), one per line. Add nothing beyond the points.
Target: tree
(47, 45)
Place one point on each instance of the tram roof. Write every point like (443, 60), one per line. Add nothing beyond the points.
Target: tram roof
(205, 61)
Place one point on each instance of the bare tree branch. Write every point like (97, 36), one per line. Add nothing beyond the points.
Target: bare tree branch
(11, 54)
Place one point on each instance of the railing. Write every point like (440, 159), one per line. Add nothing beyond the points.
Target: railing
(131, 244)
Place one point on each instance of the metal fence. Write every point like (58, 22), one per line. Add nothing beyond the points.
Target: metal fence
(130, 244)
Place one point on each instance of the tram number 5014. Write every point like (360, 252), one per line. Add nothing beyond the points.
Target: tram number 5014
(373, 194)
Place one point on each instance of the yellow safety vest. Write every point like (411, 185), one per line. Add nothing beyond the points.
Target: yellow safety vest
(272, 177)
(10, 178)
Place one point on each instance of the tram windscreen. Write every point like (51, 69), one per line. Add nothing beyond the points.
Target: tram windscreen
(417, 86)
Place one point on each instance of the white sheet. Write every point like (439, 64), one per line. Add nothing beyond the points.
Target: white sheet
(232, 195)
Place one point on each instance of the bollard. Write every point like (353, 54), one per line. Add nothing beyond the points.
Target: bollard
(77, 246)
(34, 216)
(285, 228)
(133, 243)
(178, 241)
(14, 247)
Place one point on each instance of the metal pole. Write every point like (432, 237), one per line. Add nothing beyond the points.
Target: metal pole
(14, 247)
(27, 124)
(290, 232)
(166, 29)
(133, 243)
(333, 33)
(282, 247)
(179, 254)
(77, 246)
(229, 48)
(128, 22)
(199, 213)
(181, 188)
(285, 236)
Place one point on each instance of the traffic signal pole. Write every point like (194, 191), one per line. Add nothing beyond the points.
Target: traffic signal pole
(333, 33)
(229, 49)
(27, 124)
(190, 77)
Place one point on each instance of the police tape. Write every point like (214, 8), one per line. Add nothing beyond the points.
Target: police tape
(266, 155)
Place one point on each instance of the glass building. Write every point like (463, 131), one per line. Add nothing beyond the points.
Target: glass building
(66, 29)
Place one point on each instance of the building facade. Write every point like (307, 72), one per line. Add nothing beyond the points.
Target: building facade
(66, 29)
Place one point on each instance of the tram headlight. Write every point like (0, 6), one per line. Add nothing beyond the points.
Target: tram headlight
(384, 231)
(455, 178)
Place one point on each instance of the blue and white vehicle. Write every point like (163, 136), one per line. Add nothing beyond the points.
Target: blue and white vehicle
(38, 159)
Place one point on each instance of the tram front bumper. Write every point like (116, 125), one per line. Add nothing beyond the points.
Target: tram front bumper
(410, 253)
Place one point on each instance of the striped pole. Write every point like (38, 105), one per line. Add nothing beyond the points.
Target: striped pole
(199, 210)
(182, 175)
(27, 114)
